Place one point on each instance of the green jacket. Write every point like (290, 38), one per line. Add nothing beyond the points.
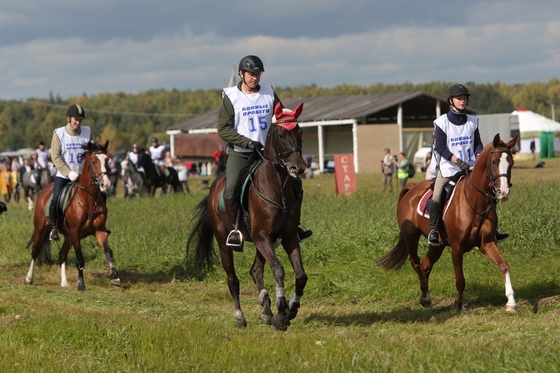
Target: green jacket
(402, 172)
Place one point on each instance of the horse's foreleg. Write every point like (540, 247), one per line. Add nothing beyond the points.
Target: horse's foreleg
(29, 203)
(226, 255)
(491, 251)
(301, 281)
(80, 263)
(257, 271)
(29, 277)
(103, 241)
(457, 257)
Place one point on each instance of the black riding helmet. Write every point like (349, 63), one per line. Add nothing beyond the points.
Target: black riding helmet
(457, 90)
(252, 64)
(76, 111)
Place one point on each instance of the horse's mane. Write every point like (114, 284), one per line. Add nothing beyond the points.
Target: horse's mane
(93, 146)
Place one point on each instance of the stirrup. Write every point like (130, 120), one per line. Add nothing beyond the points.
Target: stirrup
(303, 233)
(53, 236)
(235, 240)
(433, 237)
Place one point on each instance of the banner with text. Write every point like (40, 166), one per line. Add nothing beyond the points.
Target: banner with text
(345, 174)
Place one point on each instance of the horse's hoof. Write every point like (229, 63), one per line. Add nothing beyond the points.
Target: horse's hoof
(512, 309)
(266, 319)
(241, 322)
(81, 287)
(280, 322)
(28, 281)
(426, 303)
(291, 313)
(115, 282)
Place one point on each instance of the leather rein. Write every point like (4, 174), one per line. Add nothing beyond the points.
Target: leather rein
(279, 166)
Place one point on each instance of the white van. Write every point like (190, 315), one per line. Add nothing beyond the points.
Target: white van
(419, 158)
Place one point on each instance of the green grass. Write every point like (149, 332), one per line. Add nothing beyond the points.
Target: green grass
(354, 317)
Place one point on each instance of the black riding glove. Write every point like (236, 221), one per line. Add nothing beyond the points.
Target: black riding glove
(256, 146)
(462, 165)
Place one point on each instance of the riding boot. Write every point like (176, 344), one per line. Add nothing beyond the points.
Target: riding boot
(435, 213)
(53, 235)
(234, 238)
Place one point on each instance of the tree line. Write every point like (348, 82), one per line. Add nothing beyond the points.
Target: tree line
(125, 119)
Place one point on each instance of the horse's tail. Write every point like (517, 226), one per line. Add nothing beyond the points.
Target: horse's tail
(202, 237)
(45, 255)
(396, 258)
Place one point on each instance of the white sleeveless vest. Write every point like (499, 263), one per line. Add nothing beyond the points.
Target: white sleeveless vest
(42, 157)
(460, 141)
(253, 113)
(71, 148)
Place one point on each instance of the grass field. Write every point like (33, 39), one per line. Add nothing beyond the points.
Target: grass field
(354, 317)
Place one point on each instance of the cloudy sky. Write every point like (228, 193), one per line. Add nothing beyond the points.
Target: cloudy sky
(69, 47)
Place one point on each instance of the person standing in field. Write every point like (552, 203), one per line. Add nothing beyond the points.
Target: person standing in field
(387, 169)
(402, 164)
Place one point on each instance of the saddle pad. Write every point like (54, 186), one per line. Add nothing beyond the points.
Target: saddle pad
(422, 205)
(63, 199)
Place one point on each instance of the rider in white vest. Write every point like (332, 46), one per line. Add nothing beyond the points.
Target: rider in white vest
(457, 143)
(244, 119)
(68, 156)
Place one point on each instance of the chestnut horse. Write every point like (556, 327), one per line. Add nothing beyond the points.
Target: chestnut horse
(273, 209)
(470, 220)
(85, 214)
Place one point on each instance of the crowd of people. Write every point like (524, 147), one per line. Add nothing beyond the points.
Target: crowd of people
(13, 168)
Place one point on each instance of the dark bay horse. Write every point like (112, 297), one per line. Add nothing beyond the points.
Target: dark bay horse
(30, 185)
(85, 214)
(273, 209)
(154, 178)
(470, 221)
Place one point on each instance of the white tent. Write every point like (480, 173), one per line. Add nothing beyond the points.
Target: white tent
(530, 121)
(532, 124)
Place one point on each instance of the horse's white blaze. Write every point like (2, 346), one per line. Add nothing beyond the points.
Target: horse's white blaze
(63, 280)
(503, 166)
(105, 182)
(509, 291)
(29, 276)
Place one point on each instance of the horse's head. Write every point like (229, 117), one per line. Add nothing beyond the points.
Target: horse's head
(97, 163)
(500, 162)
(283, 143)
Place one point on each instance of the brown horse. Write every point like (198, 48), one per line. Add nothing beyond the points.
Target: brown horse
(470, 220)
(272, 217)
(85, 214)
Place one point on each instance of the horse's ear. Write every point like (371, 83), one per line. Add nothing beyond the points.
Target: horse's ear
(278, 109)
(496, 141)
(512, 142)
(298, 110)
(106, 145)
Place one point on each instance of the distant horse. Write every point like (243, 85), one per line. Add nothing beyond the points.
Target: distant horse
(85, 214)
(154, 178)
(30, 186)
(470, 221)
(134, 181)
(272, 213)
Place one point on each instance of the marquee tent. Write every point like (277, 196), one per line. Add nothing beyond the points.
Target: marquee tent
(542, 128)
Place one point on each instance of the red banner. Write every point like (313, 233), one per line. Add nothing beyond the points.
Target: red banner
(345, 174)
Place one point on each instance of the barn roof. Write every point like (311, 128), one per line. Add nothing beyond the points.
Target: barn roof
(369, 108)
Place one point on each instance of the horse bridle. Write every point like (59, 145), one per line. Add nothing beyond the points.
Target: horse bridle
(283, 164)
(493, 198)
